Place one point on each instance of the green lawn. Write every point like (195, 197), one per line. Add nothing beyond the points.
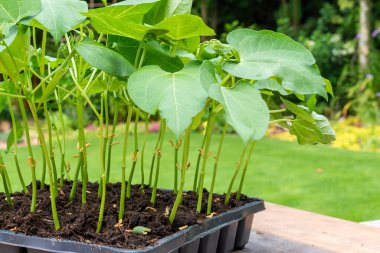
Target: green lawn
(329, 181)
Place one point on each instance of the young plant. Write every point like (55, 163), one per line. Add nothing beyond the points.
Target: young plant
(147, 56)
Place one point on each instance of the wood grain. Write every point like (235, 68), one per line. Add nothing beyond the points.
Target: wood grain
(284, 229)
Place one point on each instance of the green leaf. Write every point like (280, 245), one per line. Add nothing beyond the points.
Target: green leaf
(265, 54)
(104, 58)
(60, 16)
(155, 53)
(19, 133)
(122, 20)
(12, 11)
(15, 57)
(329, 87)
(9, 37)
(185, 26)
(245, 110)
(270, 84)
(309, 128)
(168, 8)
(110, 84)
(178, 96)
(313, 133)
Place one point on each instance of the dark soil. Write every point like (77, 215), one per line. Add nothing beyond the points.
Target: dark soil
(78, 222)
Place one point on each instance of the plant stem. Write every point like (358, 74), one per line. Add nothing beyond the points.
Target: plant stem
(209, 129)
(82, 147)
(209, 203)
(102, 171)
(143, 154)
(31, 161)
(184, 167)
(228, 195)
(176, 147)
(154, 157)
(159, 155)
(134, 155)
(15, 144)
(111, 137)
(245, 170)
(5, 184)
(43, 168)
(49, 166)
(195, 183)
(63, 145)
(75, 180)
(124, 163)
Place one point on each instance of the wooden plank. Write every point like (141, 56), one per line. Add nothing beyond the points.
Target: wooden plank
(317, 232)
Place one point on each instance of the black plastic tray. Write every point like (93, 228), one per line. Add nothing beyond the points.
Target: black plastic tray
(221, 234)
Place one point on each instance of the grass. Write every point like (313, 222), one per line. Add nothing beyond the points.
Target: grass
(321, 179)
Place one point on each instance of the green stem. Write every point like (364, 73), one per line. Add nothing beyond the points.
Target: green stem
(124, 163)
(185, 157)
(15, 145)
(245, 171)
(49, 166)
(111, 137)
(5, 184)
(135, 155)
(176, 147)
(209, 129)
(228, 195)
(154, 157)
(195, 183)
(75, 180)
(209, 203)
(43, 169)
(143, 154)
(159, 155)
(82, 147)
(102, 171)
(51, 151)
(31, 161)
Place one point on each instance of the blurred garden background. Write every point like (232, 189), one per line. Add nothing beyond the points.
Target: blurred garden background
(341, 179)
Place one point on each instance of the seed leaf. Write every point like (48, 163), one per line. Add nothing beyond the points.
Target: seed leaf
(141, 230)
(265, 54)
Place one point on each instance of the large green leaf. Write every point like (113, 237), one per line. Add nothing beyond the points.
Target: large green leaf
(184, 26)
(154, 55)
(309, 128)
(104, 58)
(178, 96)
(168, 8)
(60, 16)
(245, 110)
(15, 57)
(12, 11)
(265, 54)
(123, 19)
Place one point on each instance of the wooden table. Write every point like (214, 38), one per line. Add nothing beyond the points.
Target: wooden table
(281, 229)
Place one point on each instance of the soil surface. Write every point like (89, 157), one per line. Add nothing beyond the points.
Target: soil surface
(78, 222)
